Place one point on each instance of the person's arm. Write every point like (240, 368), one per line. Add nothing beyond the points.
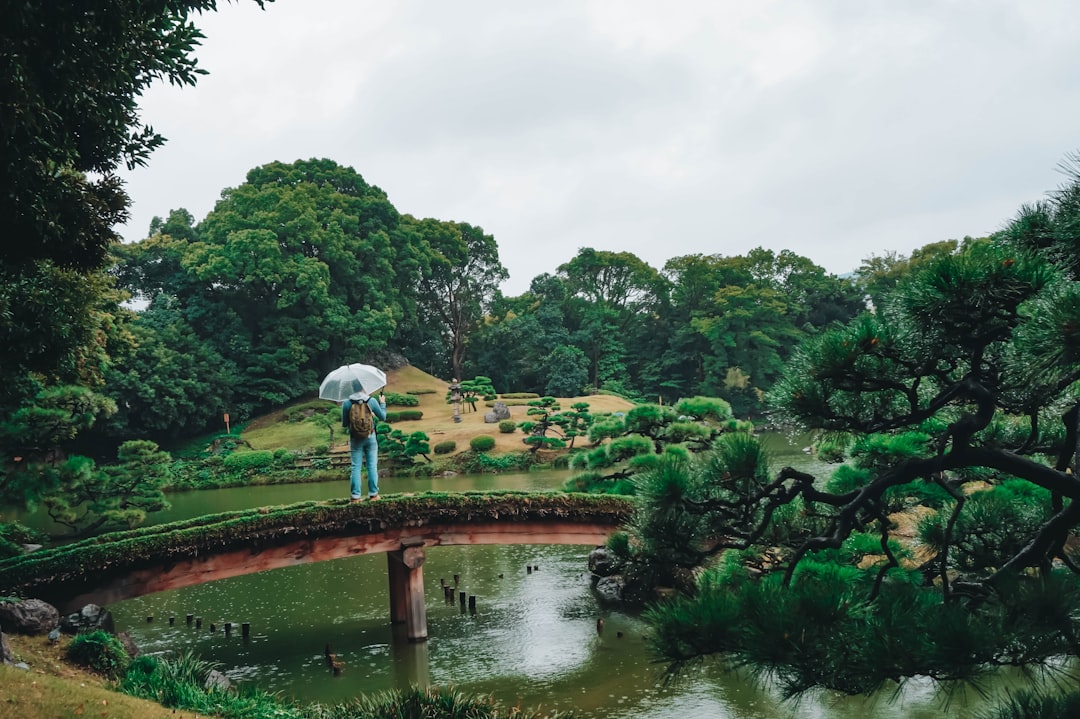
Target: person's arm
(376, 408)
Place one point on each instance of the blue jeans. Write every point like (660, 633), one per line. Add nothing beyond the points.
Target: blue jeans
(364, 451)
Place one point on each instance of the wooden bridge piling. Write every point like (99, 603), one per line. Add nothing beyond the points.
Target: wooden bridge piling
(406, 577)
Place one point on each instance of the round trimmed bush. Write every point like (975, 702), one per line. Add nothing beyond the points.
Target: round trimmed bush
(482, 443)
(507, 426)
(255, 459)
(445, 447)
(100, 651)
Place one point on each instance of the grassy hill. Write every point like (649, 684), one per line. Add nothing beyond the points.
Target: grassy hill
(274, 430)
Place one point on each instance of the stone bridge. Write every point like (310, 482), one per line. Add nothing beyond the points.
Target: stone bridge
(122, 565)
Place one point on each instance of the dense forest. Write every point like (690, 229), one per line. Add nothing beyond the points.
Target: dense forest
(306, 265)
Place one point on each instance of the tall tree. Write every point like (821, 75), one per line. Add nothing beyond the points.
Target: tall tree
(459, 274)
(296, 271)
(610, 296)
(71, 74)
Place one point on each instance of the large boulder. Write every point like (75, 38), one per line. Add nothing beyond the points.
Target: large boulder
(88, 619)
(129, 644)
(501, 411)
(610, 589)
(28, 616)
(216, 681)
(602, 562)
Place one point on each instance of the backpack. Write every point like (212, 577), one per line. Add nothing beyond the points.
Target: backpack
(361, 423)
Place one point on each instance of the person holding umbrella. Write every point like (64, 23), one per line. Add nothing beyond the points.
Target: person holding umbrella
(357, 412)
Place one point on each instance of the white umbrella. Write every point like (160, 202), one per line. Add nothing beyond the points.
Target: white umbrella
(349, 379)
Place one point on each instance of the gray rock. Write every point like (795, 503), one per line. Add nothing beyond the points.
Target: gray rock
(129, 644)
(501, 411)
(602, 562)
(6, 655)
(491, 418)
(28, 616)
(88, 619)
(610, 589)
(23, 665)
(216, 681)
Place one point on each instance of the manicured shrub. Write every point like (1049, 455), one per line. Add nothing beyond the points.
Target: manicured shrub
(396, 399)
(421, 391)
(507, 426)
(482, 443)
(257, 459)
(445, 447)
(100, 651)
(519, 395)
(404, 415)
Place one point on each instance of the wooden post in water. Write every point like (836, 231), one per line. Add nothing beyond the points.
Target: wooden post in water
(406, 575)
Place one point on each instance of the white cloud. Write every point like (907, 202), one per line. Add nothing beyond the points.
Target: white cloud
(835, 129)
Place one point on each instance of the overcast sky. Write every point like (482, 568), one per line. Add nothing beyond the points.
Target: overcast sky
(835, 129)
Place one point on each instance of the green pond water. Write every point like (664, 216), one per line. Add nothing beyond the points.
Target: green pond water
(533, 639)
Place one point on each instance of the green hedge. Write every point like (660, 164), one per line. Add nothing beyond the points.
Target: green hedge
(421, 391)
(396, 399)
(257, 459)
(445, 447)
(507, 426)
(482, 443)
(404, 415)
(519, 395)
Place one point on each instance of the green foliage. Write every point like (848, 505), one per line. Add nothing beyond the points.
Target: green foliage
(426, 390)
(507, 426)
(402, 448)
(995, 524)
(959, 391)
(1036, 704)
(567, 369)
(396, 399)
(482, 443)
(405, 415)
(713, 409)
(833, 448)
(249, 461)
(445, 447)
(101, 652)
(434, 702)
(518, 395)
(180, 683)
(118, 495)
(13, 535)
(71, 109)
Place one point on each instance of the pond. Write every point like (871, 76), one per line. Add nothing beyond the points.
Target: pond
(533, 638)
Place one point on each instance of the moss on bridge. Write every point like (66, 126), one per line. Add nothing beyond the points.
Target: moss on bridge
(75, 564)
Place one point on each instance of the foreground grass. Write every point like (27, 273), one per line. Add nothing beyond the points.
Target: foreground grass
(53, 689)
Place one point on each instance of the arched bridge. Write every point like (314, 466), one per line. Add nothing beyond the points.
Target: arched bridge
(121, 565)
